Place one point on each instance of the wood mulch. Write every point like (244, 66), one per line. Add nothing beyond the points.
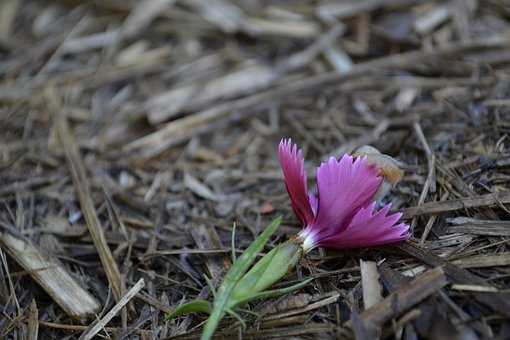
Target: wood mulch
(134, 134)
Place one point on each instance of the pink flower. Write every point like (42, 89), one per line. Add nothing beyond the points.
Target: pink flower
(342, 214)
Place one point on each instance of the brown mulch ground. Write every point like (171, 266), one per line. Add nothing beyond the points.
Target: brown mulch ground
(134, 134)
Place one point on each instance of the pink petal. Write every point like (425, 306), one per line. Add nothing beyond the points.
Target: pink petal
(369, 228)
(314, 203)
(344, 187)
(292, 164)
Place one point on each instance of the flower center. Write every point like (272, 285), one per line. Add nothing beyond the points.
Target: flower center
(307, 237)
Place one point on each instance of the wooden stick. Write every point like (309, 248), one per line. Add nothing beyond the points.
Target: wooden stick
(52, 276)
(428, 152)
(321, 303)
(96, 328)
(484, 260)
(404, 298)
(431, 221)
(33, 321)
(81, 185)
(430, 182)
(363, 330)
(499, 302)
(314, 329)
(458, 204)
(395, 280)
(81, 328)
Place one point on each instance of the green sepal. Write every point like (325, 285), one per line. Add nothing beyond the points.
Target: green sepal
(191, 307)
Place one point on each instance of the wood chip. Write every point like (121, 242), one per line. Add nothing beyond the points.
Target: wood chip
(370, 283)
(458, 204)
(33, 321)
(199, 188)
(474, 226)
(474, 288)
(8, 9)
(321, 303)
(483, 261)
(52, 276)
(460, 276)
(142, 15)
(406, 297)
(432, 19)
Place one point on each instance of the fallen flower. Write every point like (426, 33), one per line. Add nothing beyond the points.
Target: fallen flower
(343, 213)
